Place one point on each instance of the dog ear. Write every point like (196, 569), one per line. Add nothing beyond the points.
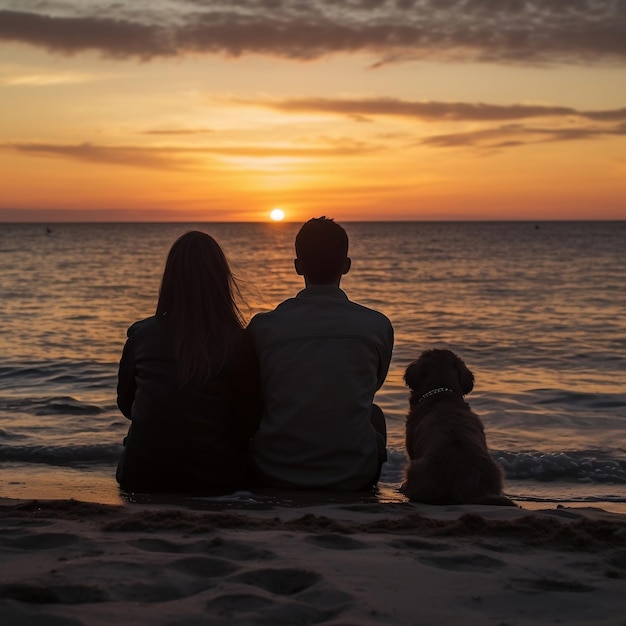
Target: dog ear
(466, 378)
(414, 373)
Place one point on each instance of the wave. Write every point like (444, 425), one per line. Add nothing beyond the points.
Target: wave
(586, 466)
(59, 371)
(578, 469)
(65, 456)
(547, 397)
(580, 466)
(54, 405)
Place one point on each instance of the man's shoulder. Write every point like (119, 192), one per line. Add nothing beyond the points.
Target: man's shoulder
(267, 318)
(294, 314)
(369, 316)
(374, 313)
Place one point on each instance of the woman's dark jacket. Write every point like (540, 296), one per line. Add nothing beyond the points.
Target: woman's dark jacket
(194, 438)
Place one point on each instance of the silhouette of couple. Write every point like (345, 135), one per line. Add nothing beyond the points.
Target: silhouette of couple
(286, 402)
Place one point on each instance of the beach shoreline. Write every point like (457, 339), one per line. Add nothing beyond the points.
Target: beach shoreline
(69, 562)
(97, 485)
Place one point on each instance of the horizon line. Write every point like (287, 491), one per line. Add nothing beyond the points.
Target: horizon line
(354, 221)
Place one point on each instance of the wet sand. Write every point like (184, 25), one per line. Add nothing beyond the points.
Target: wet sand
(66, 563)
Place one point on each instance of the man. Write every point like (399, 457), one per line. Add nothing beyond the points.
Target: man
(322, 358)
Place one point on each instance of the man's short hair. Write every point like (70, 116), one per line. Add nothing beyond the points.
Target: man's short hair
(322, 250)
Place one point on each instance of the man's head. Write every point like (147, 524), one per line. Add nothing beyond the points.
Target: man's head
(322, 252)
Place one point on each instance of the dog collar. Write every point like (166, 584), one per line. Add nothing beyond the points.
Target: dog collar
(434, 392)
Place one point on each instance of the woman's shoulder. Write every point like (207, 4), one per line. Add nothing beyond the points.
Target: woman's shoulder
(150, 336)
(238, 336)
(238, 344)
(148, 325)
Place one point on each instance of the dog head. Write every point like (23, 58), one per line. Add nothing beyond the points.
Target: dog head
(439, 368)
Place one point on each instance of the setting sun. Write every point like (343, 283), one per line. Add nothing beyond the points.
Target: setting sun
(277, 215)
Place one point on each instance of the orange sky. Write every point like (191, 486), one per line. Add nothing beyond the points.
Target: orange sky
(193, 110)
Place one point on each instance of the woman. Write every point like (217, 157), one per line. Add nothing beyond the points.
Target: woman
(188, 380)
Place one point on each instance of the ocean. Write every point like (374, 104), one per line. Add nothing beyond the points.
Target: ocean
(536, 310)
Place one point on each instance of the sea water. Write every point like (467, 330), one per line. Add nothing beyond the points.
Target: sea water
(536, 310)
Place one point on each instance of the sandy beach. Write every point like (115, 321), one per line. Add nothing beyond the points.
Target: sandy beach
(66, 563)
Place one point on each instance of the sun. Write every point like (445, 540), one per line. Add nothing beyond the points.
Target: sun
(277, 215)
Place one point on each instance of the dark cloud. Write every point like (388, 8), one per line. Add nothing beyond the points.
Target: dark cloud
(116, 38)
(511, 31)
(514, 135)
(364, 108)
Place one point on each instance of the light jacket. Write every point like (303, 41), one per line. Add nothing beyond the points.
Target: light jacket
(322, 358)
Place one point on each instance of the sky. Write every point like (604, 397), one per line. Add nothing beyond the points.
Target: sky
(201, 110)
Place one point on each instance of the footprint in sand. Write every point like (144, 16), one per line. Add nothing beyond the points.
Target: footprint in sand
(52, 594)
(217, 546)
(618, 559)
(313, 606)
(462, 562)
(163, 545)
(251, 609)
(279, 581)
(419, 544)
(43, 541)
(552, 584)
(171, 580)
(122, 581)
(287, 596)
(203, 567)
(27, 616)
(232, 604)
(334, 541)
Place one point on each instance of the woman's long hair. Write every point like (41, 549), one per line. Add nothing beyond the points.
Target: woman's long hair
(197, 301)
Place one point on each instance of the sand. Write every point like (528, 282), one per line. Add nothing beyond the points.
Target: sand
(65, 562)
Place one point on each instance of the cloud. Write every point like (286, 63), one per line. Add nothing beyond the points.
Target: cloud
(176, 157)
(178, 131)
(515, 31)
(568, 123)
(48, 79)
(115, 38)
(153, 158)
(515, 135)
(434, 111)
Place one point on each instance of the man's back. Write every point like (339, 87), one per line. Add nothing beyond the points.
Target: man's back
(322, 358)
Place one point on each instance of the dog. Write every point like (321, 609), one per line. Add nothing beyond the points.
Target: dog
(449, 462)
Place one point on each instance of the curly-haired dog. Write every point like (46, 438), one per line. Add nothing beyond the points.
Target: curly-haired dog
(445, 440)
